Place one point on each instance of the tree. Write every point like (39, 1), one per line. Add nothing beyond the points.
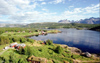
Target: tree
(21, 50)
(25, 50)
(49, 42)
(59, 49)
(29, 51)
(22, 40)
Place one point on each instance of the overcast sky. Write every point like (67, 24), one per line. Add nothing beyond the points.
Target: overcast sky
(30, 11)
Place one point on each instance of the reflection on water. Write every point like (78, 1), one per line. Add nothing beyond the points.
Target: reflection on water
(86, 40)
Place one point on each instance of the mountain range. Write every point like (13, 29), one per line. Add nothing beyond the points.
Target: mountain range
(11, 25)
(91, 20)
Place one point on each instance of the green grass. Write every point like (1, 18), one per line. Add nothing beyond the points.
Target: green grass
(2, 46)
(18, 34)
(47, 51)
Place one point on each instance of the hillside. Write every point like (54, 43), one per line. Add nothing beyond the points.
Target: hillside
(97, 28)
(60, 25)
(11, 25)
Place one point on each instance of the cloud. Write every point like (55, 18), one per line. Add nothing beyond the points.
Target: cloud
(45, 10)
(6, 8)
(41, 0)
(71, 6)
(57, 1)
(81, 13)
(34, 16)
(43, 3)
(91, 9)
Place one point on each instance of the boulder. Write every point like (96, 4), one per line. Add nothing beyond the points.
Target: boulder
(87, 54)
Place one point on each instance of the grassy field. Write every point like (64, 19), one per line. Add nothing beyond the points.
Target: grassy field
(47, 51)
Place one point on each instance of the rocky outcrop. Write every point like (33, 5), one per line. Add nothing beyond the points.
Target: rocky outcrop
(75, 50)
(87, 54)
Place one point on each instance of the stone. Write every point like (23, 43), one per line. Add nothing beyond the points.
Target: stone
(87, 54)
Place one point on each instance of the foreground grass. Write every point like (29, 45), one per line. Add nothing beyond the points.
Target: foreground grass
(47, 51)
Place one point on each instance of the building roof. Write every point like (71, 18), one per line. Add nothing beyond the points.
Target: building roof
(13, 44)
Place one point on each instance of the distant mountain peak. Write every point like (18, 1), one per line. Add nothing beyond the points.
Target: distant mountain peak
(90, 20)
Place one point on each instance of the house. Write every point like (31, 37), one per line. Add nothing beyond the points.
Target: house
(13, 44)
(34, 59)
(20, 45)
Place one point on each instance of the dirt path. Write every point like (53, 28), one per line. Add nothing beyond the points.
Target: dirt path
(2, 52)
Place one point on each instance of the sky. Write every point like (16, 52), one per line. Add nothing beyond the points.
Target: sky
(33, 11)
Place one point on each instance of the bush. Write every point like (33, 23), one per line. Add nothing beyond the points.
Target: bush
(49, 42)
(75, 56)
(21, 60)
(26, 51)
(12, 58)
(22, 40)
(30, 40)
(59, 49)
(15, 39)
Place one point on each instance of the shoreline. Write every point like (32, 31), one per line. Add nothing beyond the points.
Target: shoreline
(48, 32)
(77, 51)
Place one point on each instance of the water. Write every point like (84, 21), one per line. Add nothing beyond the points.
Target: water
(86, 40)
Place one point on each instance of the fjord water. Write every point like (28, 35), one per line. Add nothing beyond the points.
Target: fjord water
(86, 40)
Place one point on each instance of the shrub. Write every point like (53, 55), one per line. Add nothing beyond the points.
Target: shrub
(14, 39)
(21, 60)
(45, 30)
(49, 42)
(26, 51)
(22, 40)
(59, 49)
(12, 58)
(75, 56)
(30, 40)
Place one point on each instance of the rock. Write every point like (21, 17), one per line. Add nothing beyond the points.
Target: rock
(87, 54)
(74, 50)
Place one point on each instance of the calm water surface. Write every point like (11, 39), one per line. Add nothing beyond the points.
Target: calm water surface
(86, 40)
